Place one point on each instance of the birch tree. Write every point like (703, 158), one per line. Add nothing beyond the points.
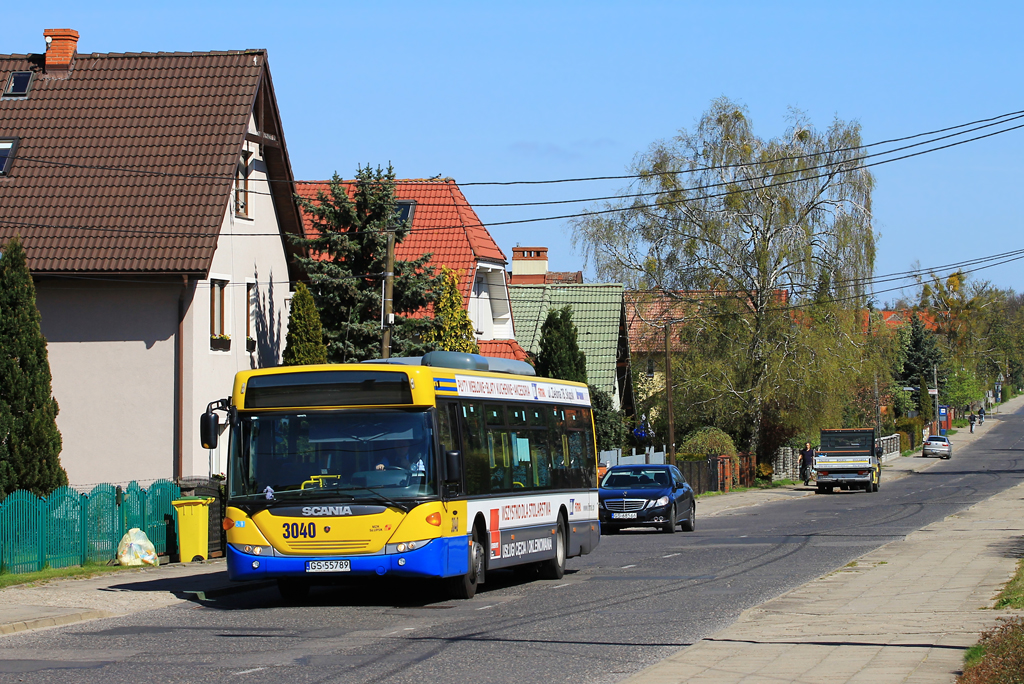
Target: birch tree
(747, 227)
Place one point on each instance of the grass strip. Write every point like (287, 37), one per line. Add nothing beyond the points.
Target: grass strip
(998, 658)
(1012, 595)
(77, 571)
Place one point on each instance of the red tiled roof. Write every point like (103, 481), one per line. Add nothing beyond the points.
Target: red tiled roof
(901, 317)
(443, 224)
(177, 113)
(505, 349)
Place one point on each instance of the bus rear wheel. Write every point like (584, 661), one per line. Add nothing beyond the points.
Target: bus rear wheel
(464, 586)
(555, 568)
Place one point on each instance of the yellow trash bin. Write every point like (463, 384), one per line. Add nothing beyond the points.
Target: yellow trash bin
(193, 527)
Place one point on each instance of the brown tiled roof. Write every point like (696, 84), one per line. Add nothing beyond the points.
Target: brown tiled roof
(177, 113)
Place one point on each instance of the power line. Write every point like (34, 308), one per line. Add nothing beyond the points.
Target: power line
(167, 174)
(613, 210)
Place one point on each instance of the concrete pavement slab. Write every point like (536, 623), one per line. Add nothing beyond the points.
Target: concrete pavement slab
(61, 602)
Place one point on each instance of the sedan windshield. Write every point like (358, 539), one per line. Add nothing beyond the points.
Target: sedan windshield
(317, 454)
(636, 478)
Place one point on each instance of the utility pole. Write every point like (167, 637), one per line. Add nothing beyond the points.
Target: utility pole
(389, 284)
(668, 394)
(878, 412)
(935, 379)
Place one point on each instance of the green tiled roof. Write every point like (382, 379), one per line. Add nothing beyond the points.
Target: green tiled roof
(596, 311)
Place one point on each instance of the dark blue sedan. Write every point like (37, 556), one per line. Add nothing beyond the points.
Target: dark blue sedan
(646, 496)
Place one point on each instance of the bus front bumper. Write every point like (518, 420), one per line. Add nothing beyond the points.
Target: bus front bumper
(444, 557)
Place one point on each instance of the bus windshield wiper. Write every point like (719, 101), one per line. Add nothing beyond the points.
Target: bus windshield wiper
(309, 494)
(405, 507)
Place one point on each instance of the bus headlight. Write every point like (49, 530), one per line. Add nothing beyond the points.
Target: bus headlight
(254, 550)
(402, 547)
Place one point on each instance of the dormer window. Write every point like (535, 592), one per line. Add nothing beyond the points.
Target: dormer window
(8, 146)
(18, 85)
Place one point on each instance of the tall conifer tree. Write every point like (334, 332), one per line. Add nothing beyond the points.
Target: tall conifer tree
(304, 344)
(29, 440)
(347, 263)
(560, 356)
(453, 331)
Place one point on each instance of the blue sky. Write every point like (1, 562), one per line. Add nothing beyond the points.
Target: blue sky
(534, 90)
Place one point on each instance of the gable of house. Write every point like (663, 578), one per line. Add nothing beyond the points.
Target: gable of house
(597, 312)
(125, 162)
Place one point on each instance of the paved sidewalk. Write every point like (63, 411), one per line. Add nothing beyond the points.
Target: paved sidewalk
(61, 602)
(902, 613)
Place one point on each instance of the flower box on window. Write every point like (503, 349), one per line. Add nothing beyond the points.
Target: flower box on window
(220, 342)
(250, 344)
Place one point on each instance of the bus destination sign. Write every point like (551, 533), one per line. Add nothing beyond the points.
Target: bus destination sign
(520, 390)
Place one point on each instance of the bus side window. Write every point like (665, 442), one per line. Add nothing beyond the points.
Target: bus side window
(589, 455)
(447, 428)
(475, 449)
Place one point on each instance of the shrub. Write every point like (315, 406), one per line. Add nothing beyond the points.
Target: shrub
(905, 444)
(1002, 659)
(708, 442)
(765, 471)
(913, 427)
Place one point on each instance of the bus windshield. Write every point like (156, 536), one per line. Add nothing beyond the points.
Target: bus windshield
(350, 454)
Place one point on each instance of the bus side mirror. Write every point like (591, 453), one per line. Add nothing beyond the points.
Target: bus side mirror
(209, 429)
(453, 466)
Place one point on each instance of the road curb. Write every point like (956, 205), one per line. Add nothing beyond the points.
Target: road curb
(54, 621)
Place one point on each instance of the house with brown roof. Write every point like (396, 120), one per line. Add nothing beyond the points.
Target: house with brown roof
(153, 194)
(445, 226)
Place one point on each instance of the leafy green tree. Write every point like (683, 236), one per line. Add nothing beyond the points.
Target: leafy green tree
(346, 263)
(609, 425)
(304, 344)
(961, 388)
(560, 356)
(29, 440)
(453, 331)
(721, 210)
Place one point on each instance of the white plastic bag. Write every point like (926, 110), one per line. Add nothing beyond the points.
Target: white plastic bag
(136, 549)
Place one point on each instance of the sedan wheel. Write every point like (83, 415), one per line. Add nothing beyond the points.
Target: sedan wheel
(690, 524)
(670, 526)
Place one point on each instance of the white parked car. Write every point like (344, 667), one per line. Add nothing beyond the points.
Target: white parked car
(938, 446)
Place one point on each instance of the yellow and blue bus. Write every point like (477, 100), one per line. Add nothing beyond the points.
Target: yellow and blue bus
(443, 466)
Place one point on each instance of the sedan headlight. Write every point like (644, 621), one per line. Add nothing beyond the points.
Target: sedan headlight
(663, 501)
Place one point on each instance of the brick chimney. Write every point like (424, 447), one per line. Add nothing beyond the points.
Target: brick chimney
(529, 265)
(61, 48)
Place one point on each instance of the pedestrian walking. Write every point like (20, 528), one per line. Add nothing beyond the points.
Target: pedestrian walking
(981, 416)
(806, 463)
(971, 419)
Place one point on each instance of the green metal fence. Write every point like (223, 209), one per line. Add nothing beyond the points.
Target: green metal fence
(69, 528)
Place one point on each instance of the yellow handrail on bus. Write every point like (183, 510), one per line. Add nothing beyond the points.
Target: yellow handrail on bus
(319, 480)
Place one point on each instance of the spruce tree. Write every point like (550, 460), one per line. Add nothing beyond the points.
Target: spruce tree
(346, 265)
(304, 344)
(29, 440)
(453, 331)
(925, 401)
(923, 351)
(560, 356)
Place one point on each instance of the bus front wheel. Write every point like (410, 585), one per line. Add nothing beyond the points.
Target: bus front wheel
(555, 568)
(464, 586)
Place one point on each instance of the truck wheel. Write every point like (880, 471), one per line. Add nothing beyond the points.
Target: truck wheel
(874, 487)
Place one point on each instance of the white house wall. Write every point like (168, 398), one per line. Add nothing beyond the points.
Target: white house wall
(249, 250)
(112, 357)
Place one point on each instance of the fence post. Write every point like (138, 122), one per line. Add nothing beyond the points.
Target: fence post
(40, 537)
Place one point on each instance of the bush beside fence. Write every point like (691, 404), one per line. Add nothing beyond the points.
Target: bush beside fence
(71, 528)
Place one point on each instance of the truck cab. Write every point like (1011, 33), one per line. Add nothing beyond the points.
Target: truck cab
(848, 459)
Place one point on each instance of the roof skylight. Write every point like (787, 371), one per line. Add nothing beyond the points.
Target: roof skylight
(18, 85)
(8, 146)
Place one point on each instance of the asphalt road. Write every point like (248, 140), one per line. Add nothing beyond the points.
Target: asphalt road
(638, 598)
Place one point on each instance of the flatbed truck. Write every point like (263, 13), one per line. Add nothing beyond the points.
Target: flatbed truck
(849, 459)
